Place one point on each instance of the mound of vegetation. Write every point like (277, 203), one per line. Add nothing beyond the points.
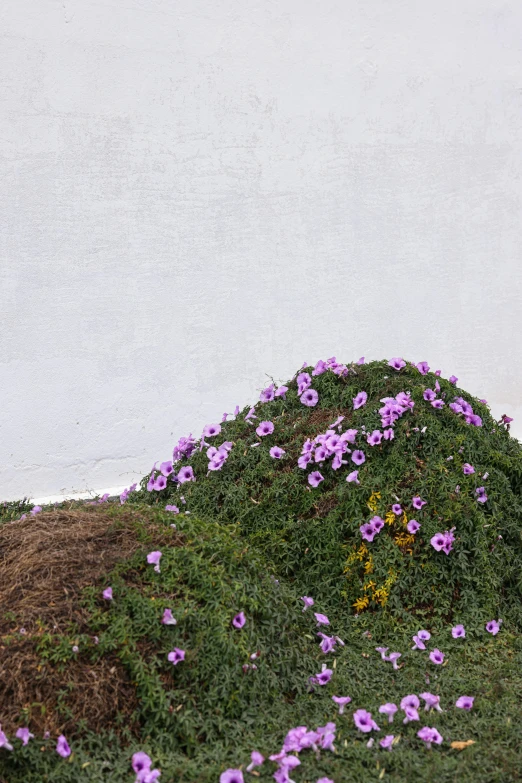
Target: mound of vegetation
(429, 459)
(260, 582)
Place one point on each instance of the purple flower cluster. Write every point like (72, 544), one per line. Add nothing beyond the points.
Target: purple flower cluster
(270, 393)
(370, 529)
(395, 407)
(327, 445)
(330, 364)
(141, 764)
(459, 405)
(443, 541)
(126, 492)
(218, 456)
(431, 397)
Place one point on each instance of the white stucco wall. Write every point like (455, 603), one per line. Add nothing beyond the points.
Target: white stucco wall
(194, 194)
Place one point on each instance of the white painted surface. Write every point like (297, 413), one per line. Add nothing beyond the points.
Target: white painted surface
(195, 194)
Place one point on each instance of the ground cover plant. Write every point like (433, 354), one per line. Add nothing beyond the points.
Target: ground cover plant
(329, 580)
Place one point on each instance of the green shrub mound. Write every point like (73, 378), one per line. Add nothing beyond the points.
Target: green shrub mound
(312, 535)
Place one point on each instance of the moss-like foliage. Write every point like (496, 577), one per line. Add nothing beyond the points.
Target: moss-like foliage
(312, 535)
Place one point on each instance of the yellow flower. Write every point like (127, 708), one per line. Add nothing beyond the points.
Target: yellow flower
(372, 502)
(404, 539)
(389, 518)
(368, 566)
(370, 584)
(361, 603)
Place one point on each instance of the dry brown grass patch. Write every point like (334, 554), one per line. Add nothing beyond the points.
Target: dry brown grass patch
(45, 561)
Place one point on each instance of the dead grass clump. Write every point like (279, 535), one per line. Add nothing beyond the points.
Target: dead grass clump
(55, 698)
(45, 561)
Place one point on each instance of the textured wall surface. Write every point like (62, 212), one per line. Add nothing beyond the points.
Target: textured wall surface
(196, 194)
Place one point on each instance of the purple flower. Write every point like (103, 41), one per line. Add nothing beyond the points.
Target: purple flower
(341, 701)
(481, 494)
(368, 532)
(364, 721)
(107, 593)
(185, 474)
(377, 523)
(319, 368)
(168, 618)
(413, 526)
(160, 483)
(388, 434)
(328, 642)
(141, 762)
(211, 429)
(281, 392)
(396, 363)
(35, 510)
(419, 644)
(239, 620)
(394, 657)
(150, 777)
(176, 656)
(429, 395)
(468, 469)
(493, 627)
(307, 602)
(324, 780)
(438, 541)
(423, 368)
(360, 400)
(322, 619)
(349, 436)
(388, 709)
(166, 468)
(397, 509)
(358, 457)
(315, 478)
(375, 438)
(323, 677)
(353, 476)
(361, 360)
(438, 404)
(387, 741)
(447, 545)
(62, 747)
(417, 502)
(256, 759)
(303, 460)
(320, 454)
(276, 452)
(424, 635)
(231, 776)
(309, 398)
(268, 394)
(431, 701)
(153, 558)
(174, 509)
(303, 382)
(411, 715)
(458, 632)
(436, 656)
(428, 736)
(465, 702)
(410, 701)
(4, 742)
(265, 428)
(250, 415)
(24, 734)
(382, 652)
